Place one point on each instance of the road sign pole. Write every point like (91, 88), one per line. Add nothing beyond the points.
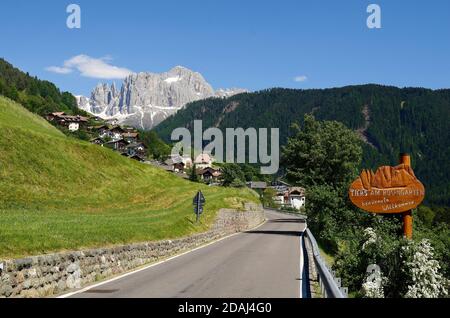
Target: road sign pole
(407, 216)
(198, 208)
(198, 202)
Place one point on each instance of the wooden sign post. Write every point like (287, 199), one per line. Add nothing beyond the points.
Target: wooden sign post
(389, 190)
(405, 159)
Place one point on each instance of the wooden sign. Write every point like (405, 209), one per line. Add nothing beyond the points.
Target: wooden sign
(389, 190)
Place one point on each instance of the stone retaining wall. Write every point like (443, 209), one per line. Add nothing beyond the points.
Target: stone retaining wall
(47, 275)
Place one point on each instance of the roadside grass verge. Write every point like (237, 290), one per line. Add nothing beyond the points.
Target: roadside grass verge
(327, 257)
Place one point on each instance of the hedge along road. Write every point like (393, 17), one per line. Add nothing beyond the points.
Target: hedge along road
(264, 262)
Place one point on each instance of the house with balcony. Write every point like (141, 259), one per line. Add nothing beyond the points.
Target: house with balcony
(117, 145)
(291, 197)
(136, 148)
(209, 175)
(73, 123)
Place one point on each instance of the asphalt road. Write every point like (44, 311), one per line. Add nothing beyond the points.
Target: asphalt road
(264, 262)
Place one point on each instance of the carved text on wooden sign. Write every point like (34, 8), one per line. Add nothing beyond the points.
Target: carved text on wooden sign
(389, 190)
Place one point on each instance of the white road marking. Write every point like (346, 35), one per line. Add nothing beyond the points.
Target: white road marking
(301, 266)
(154, 264)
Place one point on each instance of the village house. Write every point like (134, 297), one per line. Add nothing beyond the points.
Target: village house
(130, 136)
(97, 141)
(203, 161)
(209, 175)
(293, 197)
(178, 167)
(73, 126)
(278, 199)
(101, 130)
(118, 145)
(136, 148)
(115, 133)
(165, 167)
(73, 123)
(53, 116)
(280, 186)
(296, 197)
(175, 163)
(187, 161)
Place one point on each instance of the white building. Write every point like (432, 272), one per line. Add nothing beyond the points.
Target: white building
(296, 198)
(293, 197)
(74, 127)
(203, 161)
(178, 163)
(187, 161)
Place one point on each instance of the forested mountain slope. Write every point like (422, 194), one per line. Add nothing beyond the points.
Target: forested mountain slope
(390, 120)
(40, 97)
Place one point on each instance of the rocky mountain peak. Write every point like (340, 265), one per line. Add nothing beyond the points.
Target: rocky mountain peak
(145, 99)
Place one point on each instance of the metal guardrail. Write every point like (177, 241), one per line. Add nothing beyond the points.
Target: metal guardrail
(329, 284)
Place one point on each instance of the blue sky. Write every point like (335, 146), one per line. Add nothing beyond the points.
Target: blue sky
(247, 43)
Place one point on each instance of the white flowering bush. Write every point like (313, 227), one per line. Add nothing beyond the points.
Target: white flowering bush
(373, 284)
(423, 270)
(373, 287)
(370, 236)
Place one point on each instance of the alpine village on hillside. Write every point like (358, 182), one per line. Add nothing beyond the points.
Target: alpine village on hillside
(126, 141)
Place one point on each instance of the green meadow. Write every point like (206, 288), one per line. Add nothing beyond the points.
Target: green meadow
(59, 193)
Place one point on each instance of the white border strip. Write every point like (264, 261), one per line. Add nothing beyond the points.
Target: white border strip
(154, 264)
(302, 259)
(302, 264)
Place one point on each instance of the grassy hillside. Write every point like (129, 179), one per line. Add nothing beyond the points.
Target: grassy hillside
(58, 193)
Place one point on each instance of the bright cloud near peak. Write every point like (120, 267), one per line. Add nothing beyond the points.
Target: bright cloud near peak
(91, 67)
(58, 70)
(301, 78)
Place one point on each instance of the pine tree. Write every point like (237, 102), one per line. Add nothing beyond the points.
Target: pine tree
(193, 176)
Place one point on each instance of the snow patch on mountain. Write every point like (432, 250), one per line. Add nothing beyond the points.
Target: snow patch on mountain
(146, 99)
(172, 79)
